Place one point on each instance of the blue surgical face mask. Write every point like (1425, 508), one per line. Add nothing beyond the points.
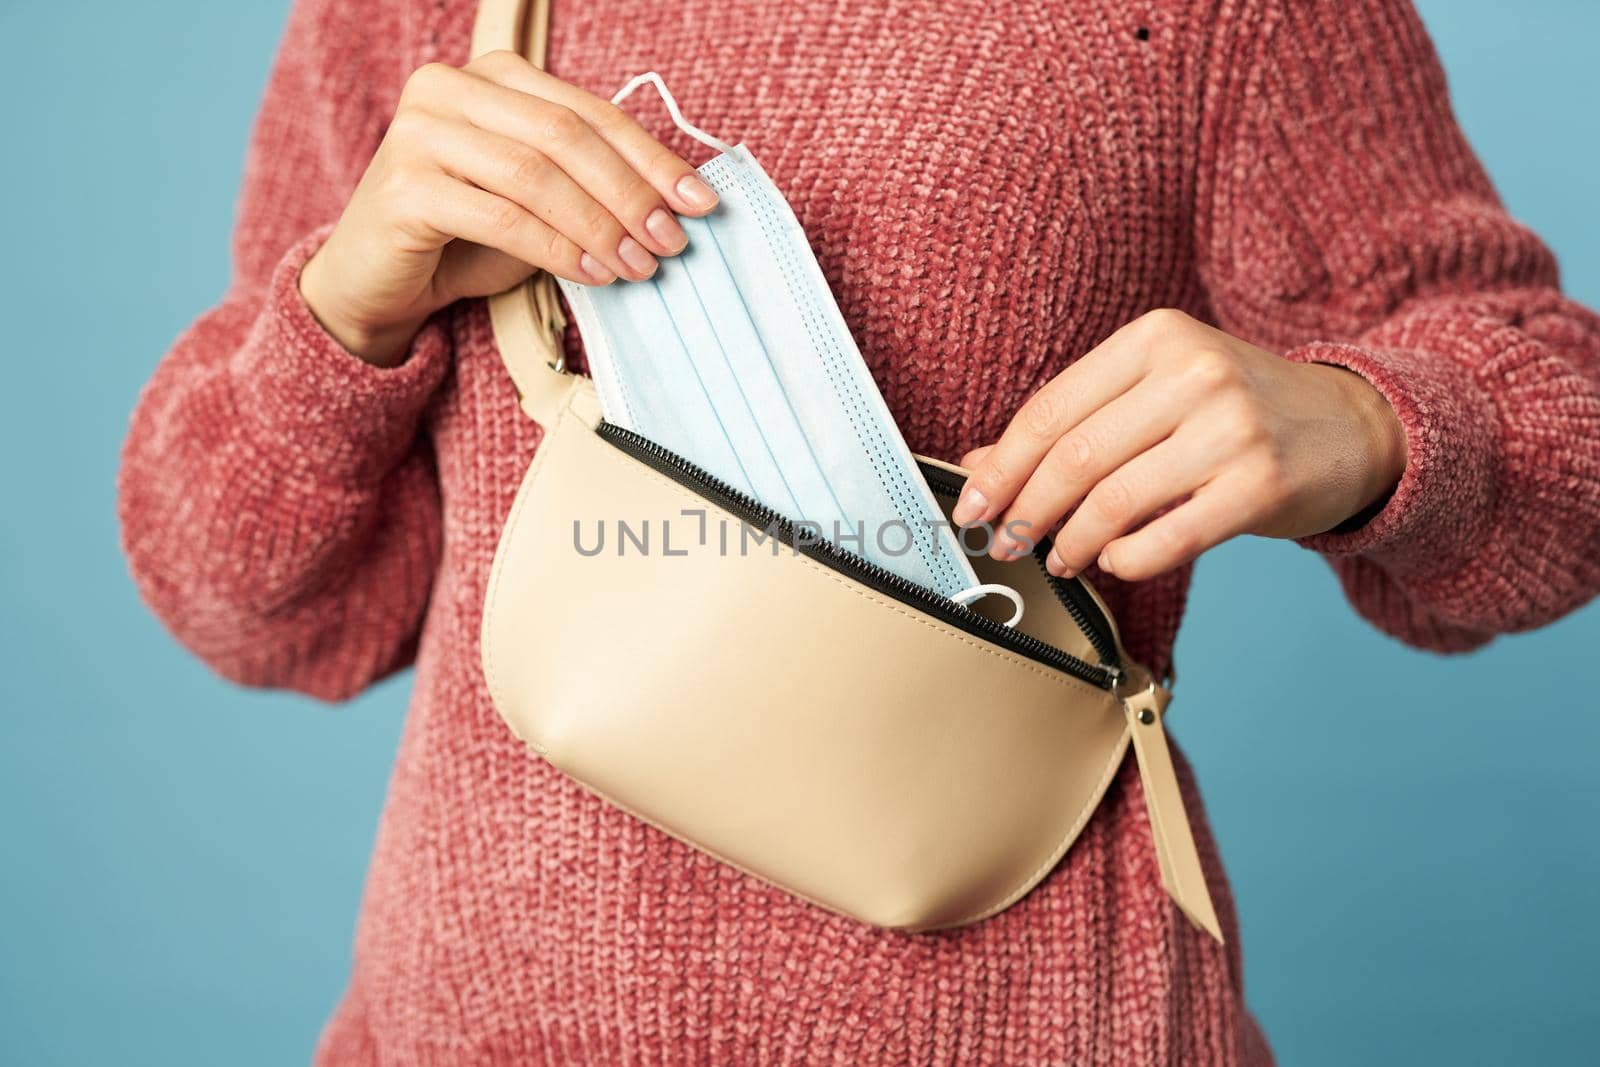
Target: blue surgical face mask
(735, 356)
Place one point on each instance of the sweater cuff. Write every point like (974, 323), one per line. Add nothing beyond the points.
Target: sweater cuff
(325, 412)
(1442, 502)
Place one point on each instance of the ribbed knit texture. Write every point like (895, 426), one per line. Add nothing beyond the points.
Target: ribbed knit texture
(991, 187)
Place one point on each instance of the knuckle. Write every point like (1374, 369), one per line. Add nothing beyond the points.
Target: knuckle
(406, 195)
(1174, 540)
(1041, 414)
(1114, 500)
(427, 81)
(608, 118)
(555, 251)
(664, 167)
(408, 127)
(599, 225)
(1210, 370)
(396, 175)
(525, 167)
(560, 125)
(990, 475)
(1079, 452)
(503, 217)
(1162, 321)
(638, 196)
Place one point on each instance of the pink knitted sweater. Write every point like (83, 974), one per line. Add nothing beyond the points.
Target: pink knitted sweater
(992, 186)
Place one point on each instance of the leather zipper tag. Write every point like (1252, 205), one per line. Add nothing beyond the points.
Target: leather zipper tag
(1169, 822)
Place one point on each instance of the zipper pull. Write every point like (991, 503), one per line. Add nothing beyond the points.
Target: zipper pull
(1169, 822)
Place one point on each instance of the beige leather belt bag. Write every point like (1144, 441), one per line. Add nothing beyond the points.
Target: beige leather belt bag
(798, 713)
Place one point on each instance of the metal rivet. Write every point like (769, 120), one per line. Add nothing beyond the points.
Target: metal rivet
(1146, 716)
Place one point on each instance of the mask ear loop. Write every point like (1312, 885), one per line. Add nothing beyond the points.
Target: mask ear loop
(652, 78)
(967, 597)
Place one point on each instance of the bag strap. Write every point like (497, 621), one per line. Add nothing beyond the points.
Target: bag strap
(1176, 854)
(527, 320)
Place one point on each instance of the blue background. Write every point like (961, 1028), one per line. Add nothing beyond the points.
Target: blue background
(1413, 840)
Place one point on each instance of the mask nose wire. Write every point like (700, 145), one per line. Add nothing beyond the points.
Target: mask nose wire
(652, 78)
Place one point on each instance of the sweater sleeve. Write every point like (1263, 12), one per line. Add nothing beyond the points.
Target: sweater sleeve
(278, 504)
(1345, 220)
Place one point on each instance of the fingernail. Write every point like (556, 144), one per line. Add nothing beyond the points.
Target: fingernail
(665, 229)
(1055, 564)
(970, 506)
(596, 270)
(1104, 563)
(696, 193)
(634, 255)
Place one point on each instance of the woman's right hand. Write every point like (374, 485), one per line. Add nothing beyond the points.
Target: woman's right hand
(486, 173)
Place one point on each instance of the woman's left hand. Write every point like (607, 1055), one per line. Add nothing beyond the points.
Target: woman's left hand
(1168, 411)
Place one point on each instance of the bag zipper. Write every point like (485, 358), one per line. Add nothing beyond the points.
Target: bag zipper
(1078, 601)
(747, 509)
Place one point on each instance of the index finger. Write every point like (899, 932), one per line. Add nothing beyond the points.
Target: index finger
(666, 172)
(1107, 371)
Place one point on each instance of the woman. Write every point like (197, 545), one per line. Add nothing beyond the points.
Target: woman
(1358, 350)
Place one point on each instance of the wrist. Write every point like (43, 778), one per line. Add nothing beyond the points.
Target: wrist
(380, 344)
(1382, 437)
